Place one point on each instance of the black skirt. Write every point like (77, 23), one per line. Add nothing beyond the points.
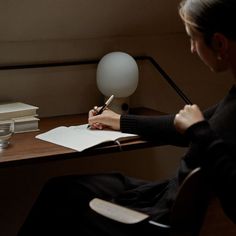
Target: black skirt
(62, 207)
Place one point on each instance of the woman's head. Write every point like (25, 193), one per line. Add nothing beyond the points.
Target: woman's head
(210, 16)
(210, 25)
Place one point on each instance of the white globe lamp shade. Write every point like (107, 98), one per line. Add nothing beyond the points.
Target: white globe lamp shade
(117, 74)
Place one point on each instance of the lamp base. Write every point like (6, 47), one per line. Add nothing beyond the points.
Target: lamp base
(119, 105)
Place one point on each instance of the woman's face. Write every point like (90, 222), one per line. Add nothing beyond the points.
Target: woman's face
(205, 52)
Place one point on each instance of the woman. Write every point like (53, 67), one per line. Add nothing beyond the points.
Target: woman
(62, 207)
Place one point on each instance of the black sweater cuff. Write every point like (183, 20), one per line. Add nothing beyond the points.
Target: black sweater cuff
(201, 134)
(128, 123)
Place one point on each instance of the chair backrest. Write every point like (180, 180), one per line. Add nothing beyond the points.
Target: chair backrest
(190, 206)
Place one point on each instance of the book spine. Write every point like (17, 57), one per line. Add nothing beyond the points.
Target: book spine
(17, 114)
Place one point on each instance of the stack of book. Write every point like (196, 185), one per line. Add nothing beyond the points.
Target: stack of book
(25, 116)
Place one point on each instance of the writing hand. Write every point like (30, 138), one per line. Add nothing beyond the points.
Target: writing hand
(187, 116)
(108, 118)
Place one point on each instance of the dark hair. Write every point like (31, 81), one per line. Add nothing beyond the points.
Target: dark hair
(210, 16)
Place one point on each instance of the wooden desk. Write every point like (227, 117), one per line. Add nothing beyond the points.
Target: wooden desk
(26, 149)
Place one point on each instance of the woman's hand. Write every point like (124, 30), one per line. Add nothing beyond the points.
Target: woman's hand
(108, 119)
(186, 117)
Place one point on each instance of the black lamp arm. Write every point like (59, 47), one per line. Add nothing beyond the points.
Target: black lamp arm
(166, 77)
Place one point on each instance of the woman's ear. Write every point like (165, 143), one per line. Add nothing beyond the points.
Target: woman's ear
(220, 45)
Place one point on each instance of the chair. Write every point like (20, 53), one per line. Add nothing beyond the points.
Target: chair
(187, 214)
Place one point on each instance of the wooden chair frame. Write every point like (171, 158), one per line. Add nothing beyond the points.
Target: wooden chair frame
(187, 214)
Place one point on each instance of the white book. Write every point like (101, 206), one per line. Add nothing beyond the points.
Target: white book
(16, 109)
(26, 124)
(80, 137)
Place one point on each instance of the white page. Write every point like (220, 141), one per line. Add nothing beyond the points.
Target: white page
(80, 137)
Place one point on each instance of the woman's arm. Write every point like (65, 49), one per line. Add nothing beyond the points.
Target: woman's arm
(218, 162)
(160, 128)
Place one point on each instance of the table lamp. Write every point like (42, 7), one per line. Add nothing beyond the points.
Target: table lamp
(117, 74)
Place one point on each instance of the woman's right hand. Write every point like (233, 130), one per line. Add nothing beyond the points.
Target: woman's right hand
(108, 119)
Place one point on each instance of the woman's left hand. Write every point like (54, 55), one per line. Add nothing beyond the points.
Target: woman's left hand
(186, 117)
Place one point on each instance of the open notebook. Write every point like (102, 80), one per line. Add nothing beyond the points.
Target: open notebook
(80, 137)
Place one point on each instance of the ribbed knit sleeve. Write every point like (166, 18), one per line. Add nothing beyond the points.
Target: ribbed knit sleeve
(160, 128)
(128, 124)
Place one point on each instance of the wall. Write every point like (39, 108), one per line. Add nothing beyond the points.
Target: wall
(60, 90)
(47, 31)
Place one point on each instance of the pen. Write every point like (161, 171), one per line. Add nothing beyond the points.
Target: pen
(106, 104)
